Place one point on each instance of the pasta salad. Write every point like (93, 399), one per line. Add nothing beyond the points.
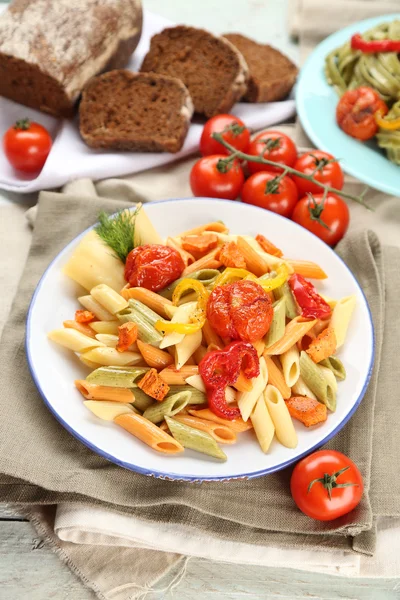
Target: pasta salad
(195, 339)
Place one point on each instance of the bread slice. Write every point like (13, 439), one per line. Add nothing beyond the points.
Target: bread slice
(214, 72)
(272, 74)
(145, 112)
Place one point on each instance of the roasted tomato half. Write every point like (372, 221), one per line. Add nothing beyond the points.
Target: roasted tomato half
(153, 266)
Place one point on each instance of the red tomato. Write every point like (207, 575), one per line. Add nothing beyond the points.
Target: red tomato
(325, 499)
(27, 146)
(153, 266)
(311, 212)
(233, 131)
(240, 311)
(263, 189)
(275, 146)
(329, 173)
(215, 179)
(355, 112)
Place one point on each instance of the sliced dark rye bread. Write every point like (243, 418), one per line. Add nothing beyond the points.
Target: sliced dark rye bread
(121, 110)
(272, 74)
(214, 72)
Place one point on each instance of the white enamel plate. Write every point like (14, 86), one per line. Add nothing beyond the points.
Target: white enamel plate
(54, 368)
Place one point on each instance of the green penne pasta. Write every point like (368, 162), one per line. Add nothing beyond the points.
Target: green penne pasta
(283, 291)
(277, 327)
(336, 366)
(146, 331)
(150, 316)
(167, 408)
(194, 439)
(314, 378)
(196, 396)
(142, 400)
(206, 276)
(117, 376)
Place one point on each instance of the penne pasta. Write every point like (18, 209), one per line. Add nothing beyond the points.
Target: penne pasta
(96, 308)
(143, 317)
(284, 291)
(87, 363)
(73, 340)
(150, 299)
(91, 391)
(185, 348)
(208, 261)
(254, 262)
(111, 357)
(341, 316)
(294, 331)
(167, 408)
(108, 411)
(108, 298)
(142, 400)
(195, 396)
(277, 327)
(237, 425)
(117, 376)
(187, 258)
(210, 336)
(263, 425)
(316, 380)
(195, 439)
(242, 384)
(247, 400)
(329, 376)
(215, 226)
(107, 339)
(279, 413)
(172, 376)
(110, 327)
(301, 389)
(149, 433)
(259, 345)
(154, 357)
(276, 378)
(290, 361)
(307, 268)
(199, 354)
(336, 366)
(81, 327)
(221, 433)
(182, 315)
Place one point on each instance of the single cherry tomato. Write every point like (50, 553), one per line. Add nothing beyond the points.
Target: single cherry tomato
(267, 191)
(233, 130)
(275, 146)
(153, 266)
(355, 112)
(240, 311)
(211, 176)
(326, 485)
(27, 146)
(323, 167)
(328, 219)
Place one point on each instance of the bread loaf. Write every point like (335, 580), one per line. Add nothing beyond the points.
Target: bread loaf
(212, 69)
(121, 110)
(49, 49)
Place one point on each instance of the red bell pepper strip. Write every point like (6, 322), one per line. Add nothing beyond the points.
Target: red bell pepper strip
(311, 304)
(373, 46)
(221, 368)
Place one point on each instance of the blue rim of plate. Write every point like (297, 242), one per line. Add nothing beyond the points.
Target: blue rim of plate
(324, 48)
(177, 476)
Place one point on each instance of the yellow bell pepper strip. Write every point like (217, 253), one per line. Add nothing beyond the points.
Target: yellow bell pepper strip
(389, 125)
(231, 274)
(274, 279)
(198, 318)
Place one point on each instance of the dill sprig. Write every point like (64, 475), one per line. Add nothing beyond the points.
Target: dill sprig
(117, 232)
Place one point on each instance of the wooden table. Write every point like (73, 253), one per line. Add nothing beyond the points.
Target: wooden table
(30, 571)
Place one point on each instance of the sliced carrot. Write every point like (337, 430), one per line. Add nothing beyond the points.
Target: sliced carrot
(153, 385)
(307, 410)
(323, 346)
(199, 245)
(268, 246)
(230, 256)
(84, 316)
(127, 335)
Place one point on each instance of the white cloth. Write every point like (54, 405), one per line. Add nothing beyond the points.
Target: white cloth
(71, 159)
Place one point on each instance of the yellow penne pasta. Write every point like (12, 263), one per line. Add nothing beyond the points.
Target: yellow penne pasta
(149, 433)
(187, 258)
(149, 298)
(306, 268)
(197, 382)
(185, 348)
(206, 262)
(107, 339)
(290, 365)
(210, 336)
(284, 428)
(81, 327)
(108, 298)
(220, 433)
(341, 316)
(262, 423)
(247, 400)
(300, 388)
(181, 315)
(110, 357)
(154, 357)
(259, 345)
(73, 340)
(237, 425)
(254, 262)
(88, 363)
(294, 331)
(199, 354)
(108, 411)
(110, 327)
(96, 308)
(92, 391)
(276, 378)
(172, 376)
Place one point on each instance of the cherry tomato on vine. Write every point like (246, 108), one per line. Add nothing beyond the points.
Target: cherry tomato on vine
(275, 146)
(268, 191)
(233, 130)
(27, 145)
(212, 176)
(240, 311)
(355, 112)
(328, 219)
(328, 172)
(153, 266)
(326, 485)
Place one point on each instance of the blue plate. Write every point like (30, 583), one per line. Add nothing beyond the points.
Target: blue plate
(316, 105)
